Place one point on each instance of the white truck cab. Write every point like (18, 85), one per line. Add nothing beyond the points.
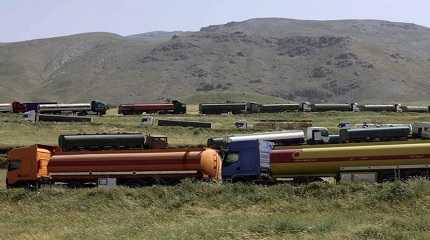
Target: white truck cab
(421, 130)
(317, 135)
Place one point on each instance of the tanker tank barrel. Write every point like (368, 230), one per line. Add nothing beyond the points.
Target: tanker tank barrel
(38, 164)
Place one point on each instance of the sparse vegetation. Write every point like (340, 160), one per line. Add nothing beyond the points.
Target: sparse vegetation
(16, 132)
(199, 210)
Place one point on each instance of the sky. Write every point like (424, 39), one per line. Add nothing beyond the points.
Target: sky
(31, 19)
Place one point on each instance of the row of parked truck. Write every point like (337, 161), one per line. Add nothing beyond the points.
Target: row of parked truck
(93, 108)
(252, 107)
(124, 159)
(347, 133)
(177, 107)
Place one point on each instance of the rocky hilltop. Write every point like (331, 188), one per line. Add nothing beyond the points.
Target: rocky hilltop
(296, 60)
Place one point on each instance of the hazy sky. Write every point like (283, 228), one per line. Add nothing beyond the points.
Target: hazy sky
(30, 19)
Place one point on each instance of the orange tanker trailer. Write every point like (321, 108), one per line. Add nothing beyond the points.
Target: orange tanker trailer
(43, 164)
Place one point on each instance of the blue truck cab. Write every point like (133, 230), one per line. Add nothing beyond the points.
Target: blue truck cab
(247, 160)
(98, 107)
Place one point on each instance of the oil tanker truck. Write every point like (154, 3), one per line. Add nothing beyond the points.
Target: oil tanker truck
(40, 164)
(373, 163)
(250, 160)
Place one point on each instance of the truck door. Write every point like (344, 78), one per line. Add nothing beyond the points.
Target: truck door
(420, 132)
(243, 160)
(265, 149)
(316, 136)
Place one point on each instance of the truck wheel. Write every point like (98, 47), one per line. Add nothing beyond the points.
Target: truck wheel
(33, 186)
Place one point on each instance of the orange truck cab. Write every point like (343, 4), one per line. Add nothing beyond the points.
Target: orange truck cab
(27, 165)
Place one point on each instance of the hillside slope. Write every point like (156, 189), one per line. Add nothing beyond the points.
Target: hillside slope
(319, 61)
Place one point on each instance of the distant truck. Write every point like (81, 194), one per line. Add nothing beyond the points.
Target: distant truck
(314, 135)
(321, 135)
(278, 138)
(380, 108)
(122, 141)
(94, 107)
(5, 107)
(417, 109)
(280, 107)
(174, 107)
(324, 107)
(374, 134)
(234, 108)
(34, 106)
(14, 107)
(317, 135)
(183, 123)
(421, 130)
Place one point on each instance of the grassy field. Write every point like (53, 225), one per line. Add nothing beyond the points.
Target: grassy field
(14, 131)
(198, 210)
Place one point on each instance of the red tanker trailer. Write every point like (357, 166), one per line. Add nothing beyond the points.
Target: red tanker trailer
(175, 107)
(15, 107)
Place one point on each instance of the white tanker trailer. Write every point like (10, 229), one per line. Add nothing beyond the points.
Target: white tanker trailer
(6, 107)
(94, 107)
(279, 138)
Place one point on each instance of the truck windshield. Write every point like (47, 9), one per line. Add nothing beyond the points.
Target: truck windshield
(13, 165)
(324, 133)
(230, 158)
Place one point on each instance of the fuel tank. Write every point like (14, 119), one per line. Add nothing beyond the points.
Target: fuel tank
(328, 161)
(46, 163)
(168, 163)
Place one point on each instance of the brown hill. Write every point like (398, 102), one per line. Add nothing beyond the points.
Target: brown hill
(319, 61)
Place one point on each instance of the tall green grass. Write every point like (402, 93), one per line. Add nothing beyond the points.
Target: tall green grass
(200, 210)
